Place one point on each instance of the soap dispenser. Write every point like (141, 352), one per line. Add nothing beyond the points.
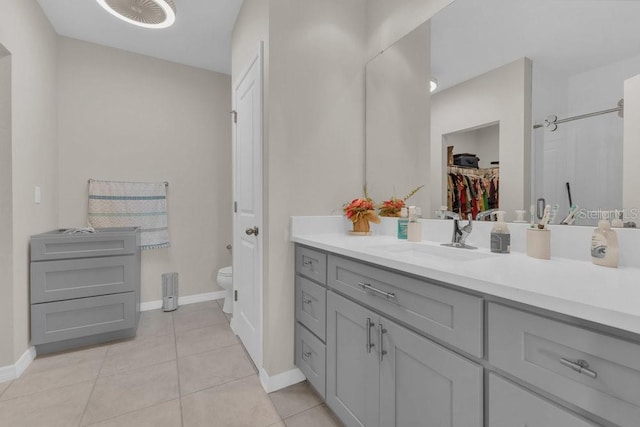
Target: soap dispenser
(402, 224)
(500, 235)
(414, 228)
(604, 245)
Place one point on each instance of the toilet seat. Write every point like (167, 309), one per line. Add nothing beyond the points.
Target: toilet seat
(226, 271)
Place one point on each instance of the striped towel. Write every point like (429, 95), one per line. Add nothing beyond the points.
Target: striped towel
(131, 204)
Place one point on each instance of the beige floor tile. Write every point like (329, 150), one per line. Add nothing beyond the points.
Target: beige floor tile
(241, 403)
(206, 370)
(118, 394)
(69, 358)
(186, 320)
(200, 340)
(278, 424)
(4, 386)
(206, 305)
(320, 416)
(295, 399)
(46, 379)
(157, 323)
(134, 354)
(61, 407)
(166, 414)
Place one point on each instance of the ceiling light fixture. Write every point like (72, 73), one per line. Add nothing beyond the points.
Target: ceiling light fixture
(433, 84)
(143, 13)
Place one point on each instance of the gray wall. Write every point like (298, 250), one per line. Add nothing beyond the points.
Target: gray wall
(129, 117)
(26, 33)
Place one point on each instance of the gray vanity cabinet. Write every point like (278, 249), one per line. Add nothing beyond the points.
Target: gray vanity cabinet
(381, 374)
(352, 362)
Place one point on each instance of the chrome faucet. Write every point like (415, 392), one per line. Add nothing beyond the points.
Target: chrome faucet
(460, 234)
(488, 213)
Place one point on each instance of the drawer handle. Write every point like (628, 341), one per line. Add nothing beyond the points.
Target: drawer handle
(381, 332)
(307, 301)
(307, 262)
(580, 366)
(370, 325)
(306, 354)
(367, 287)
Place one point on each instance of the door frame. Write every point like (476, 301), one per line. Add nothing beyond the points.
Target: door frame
(259, 59)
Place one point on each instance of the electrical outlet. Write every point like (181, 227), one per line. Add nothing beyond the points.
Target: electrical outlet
(37, 195)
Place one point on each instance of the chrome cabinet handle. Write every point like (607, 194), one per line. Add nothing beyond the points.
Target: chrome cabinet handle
(307, 301)
(387, 295)
(252, 231)
(580, 366)
(381, 333)
(307, 262)
(370, 325)
(306, 354)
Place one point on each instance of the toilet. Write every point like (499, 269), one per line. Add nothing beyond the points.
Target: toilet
(225, 281)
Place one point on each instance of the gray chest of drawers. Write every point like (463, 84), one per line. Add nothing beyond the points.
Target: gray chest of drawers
(85, 288)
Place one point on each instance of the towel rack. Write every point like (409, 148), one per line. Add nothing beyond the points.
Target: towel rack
(166, 183)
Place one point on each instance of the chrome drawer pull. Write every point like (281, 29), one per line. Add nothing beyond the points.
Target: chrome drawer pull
(307, 262)
(580, 366)
(367, 287)
(382, 331)
(306, 354)
(307, 301)
(370, 325)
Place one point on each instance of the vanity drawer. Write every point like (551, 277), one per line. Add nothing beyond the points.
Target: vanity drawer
(63, 320)
(78, 278)
(311, 358)
(311, 264)
(539, 350)
(443, 313)
(510, 405)
(55, 245)
(311, 306)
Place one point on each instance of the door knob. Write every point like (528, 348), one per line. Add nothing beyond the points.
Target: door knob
(252, 231)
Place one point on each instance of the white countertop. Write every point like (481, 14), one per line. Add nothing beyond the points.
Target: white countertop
(609, 296)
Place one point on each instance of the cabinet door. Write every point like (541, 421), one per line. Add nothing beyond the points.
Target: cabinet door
(424, 384)
(512, 406)
(352, 386)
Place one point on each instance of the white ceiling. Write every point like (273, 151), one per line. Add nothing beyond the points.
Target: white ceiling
(201, 36)
(471, 37)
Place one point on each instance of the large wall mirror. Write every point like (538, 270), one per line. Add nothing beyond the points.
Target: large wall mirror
(528, 106)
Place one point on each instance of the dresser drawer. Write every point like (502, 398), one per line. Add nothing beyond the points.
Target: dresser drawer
(311, 264)
(63, 320)
(443, 313)
(106, 242)
(78, 278)
(311, 306)
(311, 358)
(547, 354)
(510, 406)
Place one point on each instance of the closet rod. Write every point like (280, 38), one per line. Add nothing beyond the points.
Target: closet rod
(553, 120)
(166, 183)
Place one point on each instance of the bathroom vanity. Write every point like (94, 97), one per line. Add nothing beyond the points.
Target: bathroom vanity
(392, 333)
(85, 288)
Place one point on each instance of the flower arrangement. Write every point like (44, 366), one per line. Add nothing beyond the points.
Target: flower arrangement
(392, 207)
(361, 212)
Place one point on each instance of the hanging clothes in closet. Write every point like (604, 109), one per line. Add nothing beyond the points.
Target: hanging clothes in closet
(471, 190)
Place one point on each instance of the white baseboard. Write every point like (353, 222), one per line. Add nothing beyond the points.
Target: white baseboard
(280, 381)
(11, 372)
(189, 299)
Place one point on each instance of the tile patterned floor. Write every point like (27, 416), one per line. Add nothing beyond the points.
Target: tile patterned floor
(184, 368)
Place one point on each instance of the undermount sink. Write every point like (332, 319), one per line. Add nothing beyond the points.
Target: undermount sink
(421, 250)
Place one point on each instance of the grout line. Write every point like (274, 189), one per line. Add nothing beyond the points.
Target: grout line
(219, 385)
(211, 350)
(131, 412)
(175, 343)
(95, 381)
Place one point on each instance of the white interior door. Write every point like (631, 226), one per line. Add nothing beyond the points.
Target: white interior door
(247, 188)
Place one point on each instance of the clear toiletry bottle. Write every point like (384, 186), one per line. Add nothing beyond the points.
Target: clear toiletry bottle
(414, 228)
(403, 222)
(500, 235)
(604, 245)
